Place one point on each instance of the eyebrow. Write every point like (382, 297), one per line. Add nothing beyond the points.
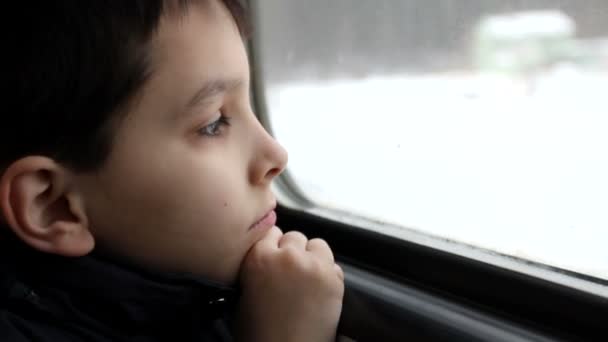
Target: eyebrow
(213, 88)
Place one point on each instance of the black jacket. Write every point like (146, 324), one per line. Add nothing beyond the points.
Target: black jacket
(50, 298)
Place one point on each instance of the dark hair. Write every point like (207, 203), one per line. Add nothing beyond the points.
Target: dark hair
(74, 67)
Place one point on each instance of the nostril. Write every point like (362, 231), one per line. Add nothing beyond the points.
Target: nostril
(274, 172)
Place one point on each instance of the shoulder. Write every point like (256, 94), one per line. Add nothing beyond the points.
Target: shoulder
(43, 327)
(23, 319)
(14, 327)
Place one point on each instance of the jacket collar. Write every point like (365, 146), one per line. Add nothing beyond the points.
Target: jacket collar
(105, 290)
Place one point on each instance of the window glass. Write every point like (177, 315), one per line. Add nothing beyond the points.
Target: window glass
(484, 122)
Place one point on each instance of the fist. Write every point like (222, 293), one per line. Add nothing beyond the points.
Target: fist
(292, 290)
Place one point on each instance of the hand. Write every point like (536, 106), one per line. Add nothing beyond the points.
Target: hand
(292, 290)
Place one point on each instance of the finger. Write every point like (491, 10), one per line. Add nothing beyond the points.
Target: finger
(320, 248)
(339, 271)
(271, 239)
(294, 239)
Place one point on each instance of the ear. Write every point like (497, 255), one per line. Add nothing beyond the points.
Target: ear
(40, 206)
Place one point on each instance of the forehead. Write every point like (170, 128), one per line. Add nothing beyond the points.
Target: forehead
(193, 47)
(202, 37)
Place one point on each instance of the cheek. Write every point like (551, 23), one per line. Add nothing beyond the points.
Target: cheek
(187, 188)
(191, 217)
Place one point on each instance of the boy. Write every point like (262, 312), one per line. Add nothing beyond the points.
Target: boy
(135, 184)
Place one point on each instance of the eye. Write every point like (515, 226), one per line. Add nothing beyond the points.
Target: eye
(214, 129)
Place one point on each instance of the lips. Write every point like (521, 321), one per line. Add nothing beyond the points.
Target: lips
(267, 221)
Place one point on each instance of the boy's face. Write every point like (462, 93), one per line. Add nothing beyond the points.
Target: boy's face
(179, 193)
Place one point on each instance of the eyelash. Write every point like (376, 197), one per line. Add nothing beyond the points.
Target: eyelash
(215, 127)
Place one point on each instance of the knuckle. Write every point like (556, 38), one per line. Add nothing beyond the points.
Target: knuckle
(321, 249)
(319, 242)
(323, 268)
(292, 255)
(276, 231)
(258, 250)
(256, 257)
(339, 272)
(295, 235)
(259, 254)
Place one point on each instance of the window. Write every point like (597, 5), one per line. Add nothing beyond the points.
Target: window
(482, 122)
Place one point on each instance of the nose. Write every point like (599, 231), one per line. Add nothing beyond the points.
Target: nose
(269, 160)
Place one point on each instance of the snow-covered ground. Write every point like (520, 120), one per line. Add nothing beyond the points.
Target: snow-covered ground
(519, 166)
